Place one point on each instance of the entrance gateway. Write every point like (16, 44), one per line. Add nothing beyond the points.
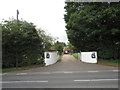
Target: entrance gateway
(89, 57)
(50, 58)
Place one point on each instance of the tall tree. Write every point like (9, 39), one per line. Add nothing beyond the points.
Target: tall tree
(71, 47)
(94, 26)
(21, 44)
(47, 39)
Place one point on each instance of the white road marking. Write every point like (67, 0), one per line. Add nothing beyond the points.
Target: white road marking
(3, 73)
(81, 80)
(87, 80)
(45, 73)
(104, 79)
(93, 71)
(115, 70)
(21, 74)
(57, 72)
(23, 81)
(42, 73)
(68, 72)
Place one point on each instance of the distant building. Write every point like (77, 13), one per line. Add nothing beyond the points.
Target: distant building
(66, 50)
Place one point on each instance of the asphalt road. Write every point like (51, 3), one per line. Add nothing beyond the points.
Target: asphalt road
(69, 73)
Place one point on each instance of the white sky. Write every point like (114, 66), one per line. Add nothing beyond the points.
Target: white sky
(45, 14)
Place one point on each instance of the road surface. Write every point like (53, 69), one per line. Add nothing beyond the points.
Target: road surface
(68, 73)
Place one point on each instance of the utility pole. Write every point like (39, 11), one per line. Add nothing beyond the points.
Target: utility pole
(17, 38)
(109, 4)
(17, 14)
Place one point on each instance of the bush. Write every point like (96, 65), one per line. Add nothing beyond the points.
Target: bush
(21, 44)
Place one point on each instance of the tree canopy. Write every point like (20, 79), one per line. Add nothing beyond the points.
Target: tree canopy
(94, 26)
(59, 46)
(22, 44)
(71, 47)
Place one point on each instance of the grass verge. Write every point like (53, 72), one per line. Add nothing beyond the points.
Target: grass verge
(20, 68)
(59, 58)
(75, 55)
(25, 67)
(115, 63)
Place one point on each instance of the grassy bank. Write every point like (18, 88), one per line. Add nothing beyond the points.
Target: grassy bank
(25, 67)
(21, 68)
(115, 63)
(75, 55)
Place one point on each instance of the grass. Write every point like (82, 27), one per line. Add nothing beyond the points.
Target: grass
(20, 68)
(75, 55)
(59, 58)
(109, 62)
(0, 70)
(25, 67)
(115, 63)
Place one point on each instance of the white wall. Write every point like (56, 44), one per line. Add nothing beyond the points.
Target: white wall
(87, 57)
(52, 59)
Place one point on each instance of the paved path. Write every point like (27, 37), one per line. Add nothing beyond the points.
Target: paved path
(69, 73)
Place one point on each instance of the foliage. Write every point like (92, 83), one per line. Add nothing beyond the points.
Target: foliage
(94, 26)
(75, 55)
(71, 47)
(21, 44)
(59, 46)
(47, 39)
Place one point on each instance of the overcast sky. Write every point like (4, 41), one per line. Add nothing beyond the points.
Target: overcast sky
(45, 14)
